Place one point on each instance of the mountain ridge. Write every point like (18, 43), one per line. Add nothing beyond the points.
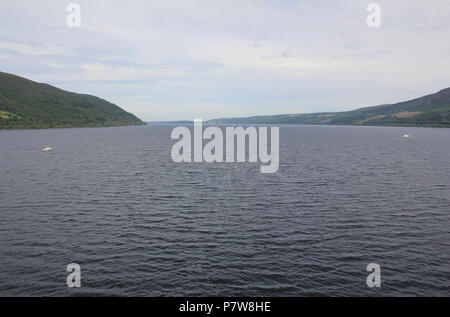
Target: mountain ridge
(432, 110)
(25, 104)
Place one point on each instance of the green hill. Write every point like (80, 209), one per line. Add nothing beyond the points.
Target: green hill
(428, 111)
(25, 104)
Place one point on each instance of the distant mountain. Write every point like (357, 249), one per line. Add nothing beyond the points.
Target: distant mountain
(25, 104)
(170, 122)
(428, 111)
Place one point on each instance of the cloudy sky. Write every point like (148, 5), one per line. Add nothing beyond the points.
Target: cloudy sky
(186, 59)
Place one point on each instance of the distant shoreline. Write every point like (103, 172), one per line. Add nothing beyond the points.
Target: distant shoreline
(431, 111)
(210, 123)
(71, 127)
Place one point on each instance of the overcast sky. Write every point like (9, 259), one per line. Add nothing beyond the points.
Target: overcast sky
(176, 60)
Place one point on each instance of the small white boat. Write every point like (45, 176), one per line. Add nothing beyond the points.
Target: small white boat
(406, 136)
(46, 149)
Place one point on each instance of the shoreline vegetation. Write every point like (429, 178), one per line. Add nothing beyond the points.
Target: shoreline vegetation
(25, 104)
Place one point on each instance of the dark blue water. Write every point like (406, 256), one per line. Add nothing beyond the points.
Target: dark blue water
(113, 201)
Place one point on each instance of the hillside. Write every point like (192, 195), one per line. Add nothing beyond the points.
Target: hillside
(431, 110)
(25, 104)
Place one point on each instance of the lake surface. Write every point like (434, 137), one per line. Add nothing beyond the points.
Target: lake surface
(139, 224)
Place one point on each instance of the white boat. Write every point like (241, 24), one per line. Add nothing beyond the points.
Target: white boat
(406, 136)
(46, 149)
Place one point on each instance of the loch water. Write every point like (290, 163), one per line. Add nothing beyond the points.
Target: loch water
(138, 224)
